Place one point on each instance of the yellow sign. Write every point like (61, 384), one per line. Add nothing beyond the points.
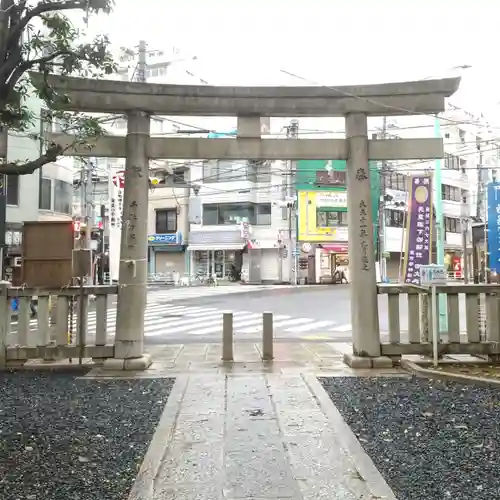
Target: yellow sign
(310, 229)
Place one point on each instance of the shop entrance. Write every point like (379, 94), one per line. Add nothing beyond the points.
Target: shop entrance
(340, 267)
(218, 263)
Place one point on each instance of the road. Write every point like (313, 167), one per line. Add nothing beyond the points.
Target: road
(187, 315)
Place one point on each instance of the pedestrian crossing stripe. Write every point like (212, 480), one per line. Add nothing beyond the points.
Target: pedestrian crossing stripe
(169, 319)
(181, 293)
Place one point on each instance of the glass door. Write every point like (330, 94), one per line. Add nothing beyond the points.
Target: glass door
(218, 263)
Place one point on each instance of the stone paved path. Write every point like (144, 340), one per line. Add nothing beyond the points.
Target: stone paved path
(254, 436)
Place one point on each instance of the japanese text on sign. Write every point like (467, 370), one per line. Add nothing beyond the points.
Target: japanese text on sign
(418, 244)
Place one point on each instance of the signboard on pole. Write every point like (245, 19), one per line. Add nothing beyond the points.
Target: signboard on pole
(493, 226)
(418, 242)
(433, 274)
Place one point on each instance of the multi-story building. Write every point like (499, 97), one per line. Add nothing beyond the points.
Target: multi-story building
(44, 195)
(240, 225)
(462, 175)
(322, 217)
(168, 222)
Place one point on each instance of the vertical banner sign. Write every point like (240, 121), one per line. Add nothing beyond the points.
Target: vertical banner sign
(418, 238)
(493, 226)
(115, 225)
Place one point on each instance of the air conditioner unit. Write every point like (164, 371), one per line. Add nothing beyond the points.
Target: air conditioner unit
(17, 261)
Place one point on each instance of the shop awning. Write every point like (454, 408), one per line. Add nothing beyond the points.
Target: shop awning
(219, 246)
(335, 247)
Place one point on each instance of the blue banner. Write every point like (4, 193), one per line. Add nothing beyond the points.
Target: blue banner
(494, 226)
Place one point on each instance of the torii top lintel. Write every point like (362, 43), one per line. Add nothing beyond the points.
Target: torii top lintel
(111, 96)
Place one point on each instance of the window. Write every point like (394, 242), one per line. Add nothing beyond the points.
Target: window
(332, 178)
(12, 189)
(396, 181)
(216, 214)
(263, 214)
(179, 176)
(222, 171)
(45, 201)
(394, 218)
(166, 221)
(451, 161)
(259, 171)
(63, 197)
(329, 218)
(451, 193)
(452, 225)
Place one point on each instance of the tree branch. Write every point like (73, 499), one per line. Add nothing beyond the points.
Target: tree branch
(51, 155)
(40, 9)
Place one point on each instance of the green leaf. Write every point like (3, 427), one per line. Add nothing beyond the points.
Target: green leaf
(40, 37)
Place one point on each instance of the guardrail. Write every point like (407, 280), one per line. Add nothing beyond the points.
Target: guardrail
(477, 305)
(61, 328)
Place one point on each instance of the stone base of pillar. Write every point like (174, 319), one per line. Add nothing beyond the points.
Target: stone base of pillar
(130, 364)
(365, 362)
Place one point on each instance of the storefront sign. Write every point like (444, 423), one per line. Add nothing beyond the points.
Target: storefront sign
(331, 199)
(494, 226)
(13, 238)
(308, 203)
(418, 244)
(165, 239)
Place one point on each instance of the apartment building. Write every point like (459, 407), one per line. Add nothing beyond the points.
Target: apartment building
(240, 225)
(465, 139)
(168, 222)
(44, 195)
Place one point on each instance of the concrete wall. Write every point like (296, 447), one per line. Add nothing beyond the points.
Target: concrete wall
(167, 197)
(23, 148)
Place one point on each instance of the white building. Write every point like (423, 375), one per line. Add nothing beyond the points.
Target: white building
(467, 145)
(240, 223)
(44, 195)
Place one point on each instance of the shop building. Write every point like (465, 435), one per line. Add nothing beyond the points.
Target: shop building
(236, 226)
(168, 224)
(322, 219)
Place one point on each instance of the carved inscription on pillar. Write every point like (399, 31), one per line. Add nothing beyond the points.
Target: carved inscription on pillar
(364, 223)
(364, 234)
(132, 222)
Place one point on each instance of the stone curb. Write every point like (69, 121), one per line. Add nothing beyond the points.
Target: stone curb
(143, 487)
(420, 371)
(374, 481)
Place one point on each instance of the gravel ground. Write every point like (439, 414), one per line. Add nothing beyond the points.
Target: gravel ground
(67, 438)
(429, 439)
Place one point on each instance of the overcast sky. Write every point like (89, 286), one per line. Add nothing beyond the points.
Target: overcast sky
(324, 41)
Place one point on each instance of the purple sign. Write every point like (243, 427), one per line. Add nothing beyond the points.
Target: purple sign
(418, 238)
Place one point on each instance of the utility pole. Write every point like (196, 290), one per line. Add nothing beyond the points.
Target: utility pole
(465, 231)
(4, 139)
(141, 62)
(381, 211)
(292, 133)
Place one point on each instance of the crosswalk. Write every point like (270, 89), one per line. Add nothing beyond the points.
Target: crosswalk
(167, 321)
(185, 293)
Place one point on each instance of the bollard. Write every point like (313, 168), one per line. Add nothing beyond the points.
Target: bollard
(267, 336)
(227, 336)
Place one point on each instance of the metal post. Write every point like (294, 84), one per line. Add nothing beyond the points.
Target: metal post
(435, 327)
(267, 336)
(465, 229)
(438, 204)
(292, 133)
(227, 337)
(4, 138)
(381, 215)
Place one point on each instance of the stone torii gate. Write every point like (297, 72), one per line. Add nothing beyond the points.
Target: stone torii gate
(141, 100)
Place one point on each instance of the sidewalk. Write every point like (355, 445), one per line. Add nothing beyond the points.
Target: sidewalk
(254, 437)
(253, 430)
